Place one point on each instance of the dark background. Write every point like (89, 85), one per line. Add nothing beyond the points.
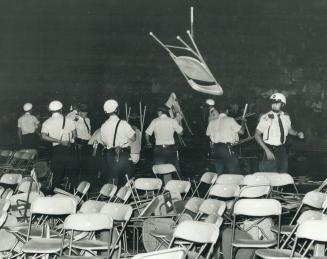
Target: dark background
(90, 50)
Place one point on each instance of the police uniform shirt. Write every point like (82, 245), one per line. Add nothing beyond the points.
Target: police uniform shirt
(164, 128)
(224, 129)
(28, 123)
(83, 127)
(53, 128)
(268, 125)
(124, 132)
(213, 114)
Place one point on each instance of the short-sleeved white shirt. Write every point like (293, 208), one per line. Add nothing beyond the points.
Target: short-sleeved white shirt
(268, 125)
(224, 129)
(28, 123)
(164, 128)
(83, 127)
(124, 132)
(53, 127)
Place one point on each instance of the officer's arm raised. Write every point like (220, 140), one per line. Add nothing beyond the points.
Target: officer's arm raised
(47, 138)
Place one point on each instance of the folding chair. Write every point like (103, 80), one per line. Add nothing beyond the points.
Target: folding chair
(230, 179)
(191, 210)
(121, 215)
(210, 207)
(47, 208)
(5, 157)
(165, 169)
(143, 189)
(175, 253)
(190, 234)
(107, 192)
(207, 178)
(179, 187)
(78, 194)
(226, 192)
(278, 180)
(89, 223)
(22, 160)
(257, 210)
(193, 68)
(312, 199)
(91, 206)
(287, 231)
(312, 231)
(255, 186)
(123, 195)
(10, 180)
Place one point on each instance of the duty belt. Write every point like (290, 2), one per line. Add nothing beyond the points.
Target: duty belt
(172, 145)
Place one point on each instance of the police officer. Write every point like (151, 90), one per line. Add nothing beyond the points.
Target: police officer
(213, 113)
(271, 134)
(83, 135)
(61, 132)
(164, 128)
(223, 132)
(27, 128)
(116, 135)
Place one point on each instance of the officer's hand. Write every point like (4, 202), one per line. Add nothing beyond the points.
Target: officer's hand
(300, 135)
(269, 154)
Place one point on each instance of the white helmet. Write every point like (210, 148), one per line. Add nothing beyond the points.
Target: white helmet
(278, 97)
(55, 106)
(210, 102)
(27, 107)
(110, 106)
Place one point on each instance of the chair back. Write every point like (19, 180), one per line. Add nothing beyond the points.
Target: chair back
(313, 229)
(58, 205)
(108, 190)
(255, 180)
(230, 179)
(25, 186)
(257, 207)
(277, 179)
(197, 232)
(88, 222)
(118, 211)
(172, 253)
(11, 179)
(182, 187)
(193, 204)
(314, 199)
(212, 207)
(255, 191)
(163, 169)
(148, 184)
(91, 206)
(224, 191)
(123, 194)
(208, 178)
(83, 187)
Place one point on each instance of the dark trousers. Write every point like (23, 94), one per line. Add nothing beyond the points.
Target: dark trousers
(166, 155)
(280, 164)
(63, 164)
(116, 166)
(83, 159)
(30, 141)
(225, 159)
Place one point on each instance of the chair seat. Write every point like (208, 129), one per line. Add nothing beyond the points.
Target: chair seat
(81, 257)
(35, 232)
(90, 244)
(276, 253)
(246, 243)
(63, 192)
(285, 229)
(16, 228)
(162, 233)
(43, 245)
